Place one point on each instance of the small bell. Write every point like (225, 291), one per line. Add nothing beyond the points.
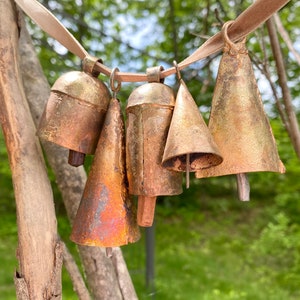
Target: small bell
(238, 122)
(149, 112)
(75, 112)
(190, 146)
(106, 216)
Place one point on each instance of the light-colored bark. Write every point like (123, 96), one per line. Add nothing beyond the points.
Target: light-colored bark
(293, 126)
(75, 275)
(38, 253)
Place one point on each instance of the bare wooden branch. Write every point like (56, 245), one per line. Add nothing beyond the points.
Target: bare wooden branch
(285, 36)
(75, 275)
(37, 233)
(264, 68)
(294, 132)
(124, 278)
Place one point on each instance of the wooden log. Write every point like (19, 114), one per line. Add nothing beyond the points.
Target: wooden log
(38, 248)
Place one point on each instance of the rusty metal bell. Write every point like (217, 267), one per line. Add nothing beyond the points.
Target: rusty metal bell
(149, 112)
(190, 146)
(75, 112)
(238, 122)
(106, 216)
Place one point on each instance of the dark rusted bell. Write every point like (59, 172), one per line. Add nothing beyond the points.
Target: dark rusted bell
(238, 122)
(190, 146)
(149, 112)
(106, 216)
(75, 112)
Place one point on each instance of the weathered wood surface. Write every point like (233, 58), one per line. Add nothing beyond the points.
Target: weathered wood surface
(38, 276)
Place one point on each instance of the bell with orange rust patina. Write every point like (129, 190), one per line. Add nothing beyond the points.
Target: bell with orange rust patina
(238, 122)
(149, 112)
(75, 112)
(106, 216)
(190, 146)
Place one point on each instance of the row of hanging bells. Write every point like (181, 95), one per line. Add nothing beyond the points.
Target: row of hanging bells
(165, 136)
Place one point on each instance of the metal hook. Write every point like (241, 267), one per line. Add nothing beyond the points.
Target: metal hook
(115, 88)
(177, 69)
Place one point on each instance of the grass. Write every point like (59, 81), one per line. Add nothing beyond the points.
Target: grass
(199, 257)
(217, 251)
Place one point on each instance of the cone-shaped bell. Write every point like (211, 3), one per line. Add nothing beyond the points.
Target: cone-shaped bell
(237, 120)
(149, 112)
(75, 112)
(189, 135)
(106, 216)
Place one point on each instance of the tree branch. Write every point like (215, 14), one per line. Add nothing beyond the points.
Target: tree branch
(294, 132)
(286, 38)
(75, 275)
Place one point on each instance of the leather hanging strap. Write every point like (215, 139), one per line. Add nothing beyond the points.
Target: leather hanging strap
(245, 23)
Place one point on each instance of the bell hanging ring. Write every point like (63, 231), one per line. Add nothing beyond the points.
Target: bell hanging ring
(238, 122)
(190, 146)
(75, 112)
(149, 112)
(106, 216)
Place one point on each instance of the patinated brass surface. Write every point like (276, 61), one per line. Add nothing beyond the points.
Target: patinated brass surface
(106, 216)
(189, 134)
(149, 112)
(75, 111)
(237, 121)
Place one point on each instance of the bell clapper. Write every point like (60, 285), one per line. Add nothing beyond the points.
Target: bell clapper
(243, 187)
(187, 171)
(76, 158)
(145, 210)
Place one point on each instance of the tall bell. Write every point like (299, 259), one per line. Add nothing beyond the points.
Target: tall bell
(75, 112)
(238, 122)
(149, 112)
(190, 146)
(106, 216)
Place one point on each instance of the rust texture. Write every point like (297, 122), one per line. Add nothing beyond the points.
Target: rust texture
(237, 121)
(189, 134)
(149, 112)
(106, 216)
(75, 112)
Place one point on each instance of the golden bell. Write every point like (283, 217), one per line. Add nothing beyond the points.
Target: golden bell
(189, 137)
(238, 122)
(149, 112)
(106, 216)
(75, 112)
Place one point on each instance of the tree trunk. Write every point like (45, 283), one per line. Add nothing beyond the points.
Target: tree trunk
(39, 252)
(103, 280)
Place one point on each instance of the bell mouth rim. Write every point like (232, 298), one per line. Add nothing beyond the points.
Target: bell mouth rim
(212, 160)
